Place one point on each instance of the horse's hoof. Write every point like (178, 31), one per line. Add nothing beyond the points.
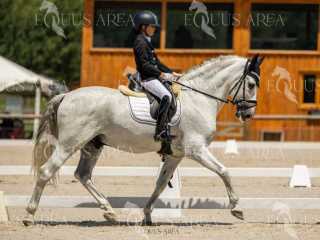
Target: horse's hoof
(28, 221)
(236, 212)
(110, 216)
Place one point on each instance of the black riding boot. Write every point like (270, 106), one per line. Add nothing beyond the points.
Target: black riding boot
(162, 133)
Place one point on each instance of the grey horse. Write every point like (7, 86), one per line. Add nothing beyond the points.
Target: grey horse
(88, 118)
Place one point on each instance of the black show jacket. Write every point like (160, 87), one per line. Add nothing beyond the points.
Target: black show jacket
(147, 62)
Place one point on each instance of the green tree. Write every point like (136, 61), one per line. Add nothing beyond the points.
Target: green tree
(27, 37)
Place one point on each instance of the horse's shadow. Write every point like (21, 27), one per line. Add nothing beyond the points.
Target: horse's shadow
(139, 202)
(92, 223)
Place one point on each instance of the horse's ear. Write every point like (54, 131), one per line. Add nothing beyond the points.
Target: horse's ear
(260, 60)
(255, 58)
(253, 62)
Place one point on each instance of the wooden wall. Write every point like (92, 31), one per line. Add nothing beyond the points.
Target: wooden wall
(104, 67)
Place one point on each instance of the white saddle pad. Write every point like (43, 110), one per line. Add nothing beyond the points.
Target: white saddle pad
(140, 111)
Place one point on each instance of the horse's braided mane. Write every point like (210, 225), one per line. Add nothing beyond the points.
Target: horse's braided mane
(209, 67)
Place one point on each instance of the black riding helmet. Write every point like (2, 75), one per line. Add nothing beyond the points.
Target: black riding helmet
(145, 18)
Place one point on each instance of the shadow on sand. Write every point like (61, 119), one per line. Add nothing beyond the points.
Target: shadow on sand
(92, 223)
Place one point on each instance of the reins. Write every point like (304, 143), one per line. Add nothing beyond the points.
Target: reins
(198, 91)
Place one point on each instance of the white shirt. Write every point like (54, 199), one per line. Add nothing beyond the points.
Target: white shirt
(147, 37)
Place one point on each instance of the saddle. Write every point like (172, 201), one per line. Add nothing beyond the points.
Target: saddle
(144, 105)
(134, 90)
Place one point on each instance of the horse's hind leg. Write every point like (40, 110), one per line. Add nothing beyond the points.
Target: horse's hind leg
(167, 170)
(46, 171)
(89, 156)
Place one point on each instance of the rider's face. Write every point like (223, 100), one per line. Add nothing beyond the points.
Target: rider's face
(150, 30)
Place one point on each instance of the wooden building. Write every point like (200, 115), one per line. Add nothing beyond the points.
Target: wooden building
(286, 32)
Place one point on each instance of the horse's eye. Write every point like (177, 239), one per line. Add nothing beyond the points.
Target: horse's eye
(251, 86)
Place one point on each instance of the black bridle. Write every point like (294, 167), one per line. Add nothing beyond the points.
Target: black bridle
(241, 103)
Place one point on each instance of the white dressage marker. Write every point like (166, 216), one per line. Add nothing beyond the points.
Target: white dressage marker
(169, 193)
(3, 210)
(231, 147)
(300, 177)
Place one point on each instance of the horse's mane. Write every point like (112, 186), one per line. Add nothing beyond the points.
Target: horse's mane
(209, 67)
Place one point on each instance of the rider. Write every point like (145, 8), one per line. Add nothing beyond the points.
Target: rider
(153, 73)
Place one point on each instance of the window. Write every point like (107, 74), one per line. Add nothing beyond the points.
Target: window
(284, 26)
(113, 23)
(201, 26)
(272, 136)
(309, 89)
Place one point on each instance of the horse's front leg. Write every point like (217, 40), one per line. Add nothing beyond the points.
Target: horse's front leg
(168, 168)
(202, 155)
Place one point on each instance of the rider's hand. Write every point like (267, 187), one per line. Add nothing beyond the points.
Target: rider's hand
(177, 74)
(168, 77)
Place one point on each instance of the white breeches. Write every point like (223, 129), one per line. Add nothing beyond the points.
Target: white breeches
(157, 88)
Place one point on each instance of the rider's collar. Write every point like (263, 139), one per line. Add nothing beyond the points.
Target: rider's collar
(147, 37)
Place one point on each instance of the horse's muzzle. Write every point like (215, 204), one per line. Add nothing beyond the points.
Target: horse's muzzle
(245, 110)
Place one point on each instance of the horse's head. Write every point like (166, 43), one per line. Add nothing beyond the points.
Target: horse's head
(245, 87)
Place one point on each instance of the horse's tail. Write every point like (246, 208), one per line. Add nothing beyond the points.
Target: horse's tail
(47, 135)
